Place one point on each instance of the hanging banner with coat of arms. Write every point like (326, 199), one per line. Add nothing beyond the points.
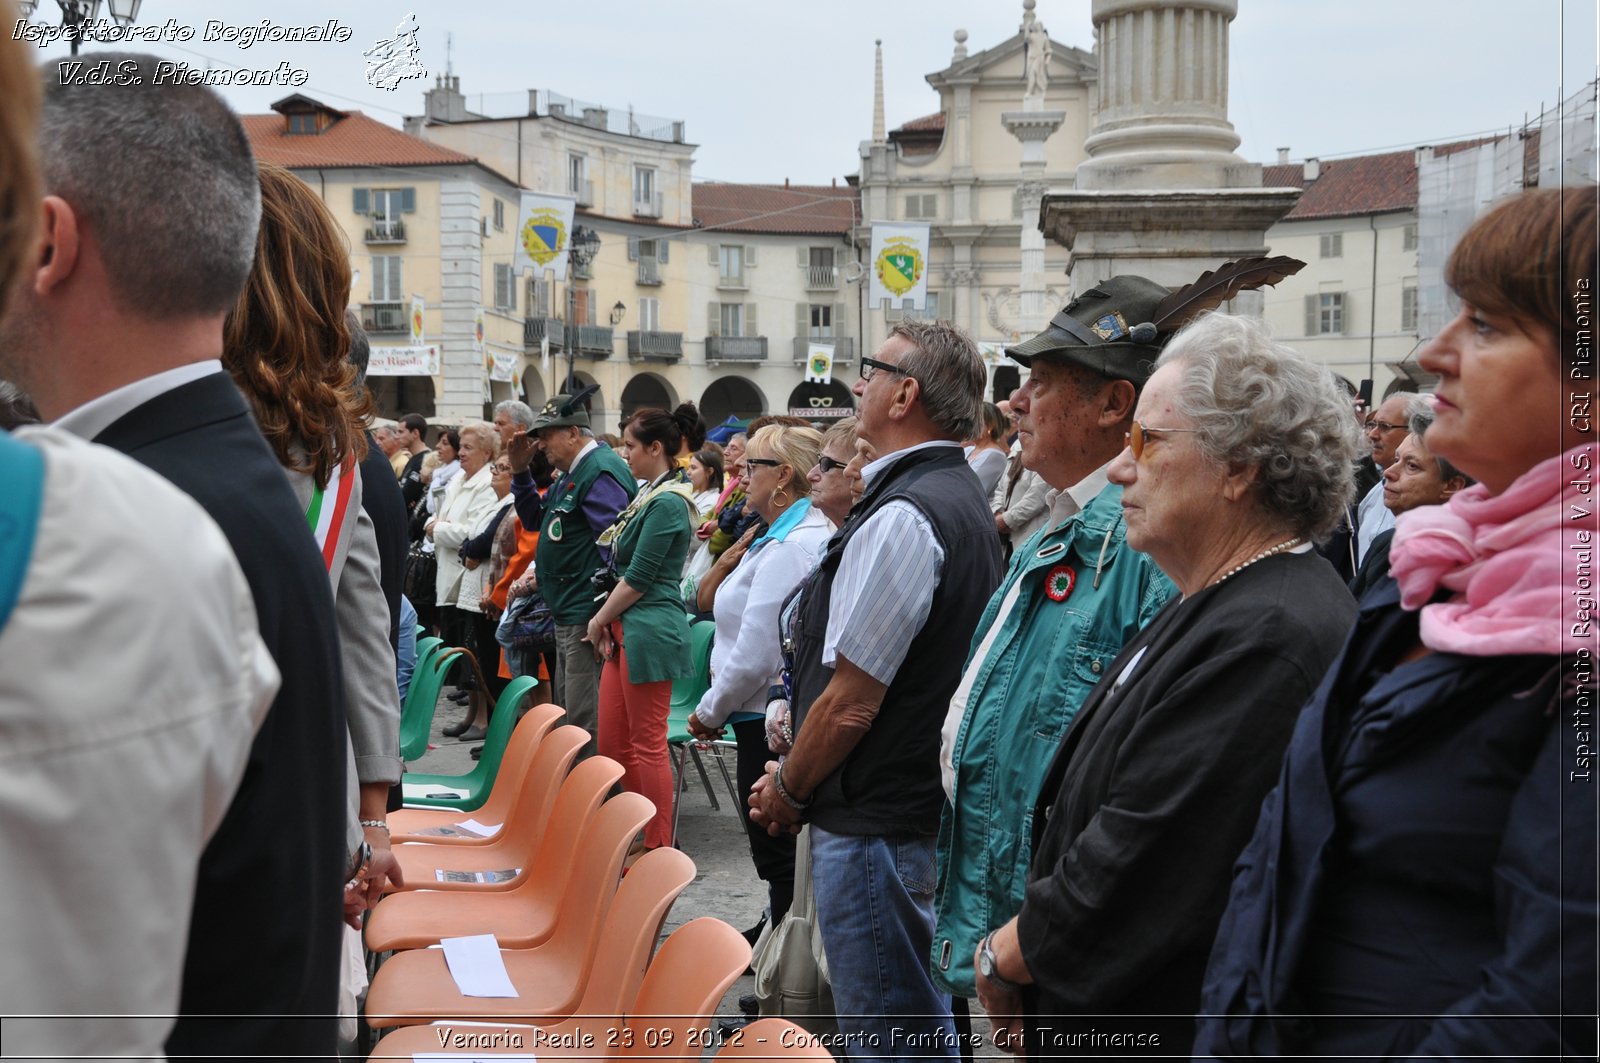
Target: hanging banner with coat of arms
(899, 265)
(417, 307)
(544, 227)
(819, 363)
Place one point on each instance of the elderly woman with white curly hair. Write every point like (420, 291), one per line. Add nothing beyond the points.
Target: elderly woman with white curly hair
(1238, 460)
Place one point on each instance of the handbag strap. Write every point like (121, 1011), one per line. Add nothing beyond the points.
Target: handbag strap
(22, 471)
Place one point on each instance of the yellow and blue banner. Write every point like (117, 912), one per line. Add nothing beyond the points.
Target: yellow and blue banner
(544, 229)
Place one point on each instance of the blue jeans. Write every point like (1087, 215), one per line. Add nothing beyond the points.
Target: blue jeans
(875, 910)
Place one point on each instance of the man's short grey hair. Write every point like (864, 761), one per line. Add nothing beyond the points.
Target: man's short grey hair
(519, 412)
(1419, 417)
(162, 174)
(949, 374)
(1259, 403)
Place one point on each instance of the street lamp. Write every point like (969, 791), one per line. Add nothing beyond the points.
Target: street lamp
(585, 244)
(617, 313)
(74, 13)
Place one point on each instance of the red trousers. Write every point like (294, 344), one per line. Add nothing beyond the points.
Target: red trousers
(633, 732)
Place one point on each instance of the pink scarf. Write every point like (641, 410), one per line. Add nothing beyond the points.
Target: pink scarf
(1520, 563)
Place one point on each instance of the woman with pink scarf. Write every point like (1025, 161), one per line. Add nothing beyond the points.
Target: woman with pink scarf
(1422, 882)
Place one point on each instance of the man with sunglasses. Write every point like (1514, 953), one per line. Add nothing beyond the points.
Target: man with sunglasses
(1073, 594)
(877, 635)
(1385, 430)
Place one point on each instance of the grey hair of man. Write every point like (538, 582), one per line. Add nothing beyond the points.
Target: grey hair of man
(163, 176)
(1419, 417)
(949, 373)
(1258, 403)
(519, 412)
(360, 347)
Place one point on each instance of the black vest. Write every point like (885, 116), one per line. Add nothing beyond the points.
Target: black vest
(889, 784)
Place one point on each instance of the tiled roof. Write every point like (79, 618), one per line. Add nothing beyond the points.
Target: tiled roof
(1367, 184)
(926, 122)
(354, 140)
(775, 208)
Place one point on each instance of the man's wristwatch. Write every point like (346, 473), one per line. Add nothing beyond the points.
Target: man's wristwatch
(990, 968)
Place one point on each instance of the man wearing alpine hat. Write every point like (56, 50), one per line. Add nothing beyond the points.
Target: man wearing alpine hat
(1072, 595)
(593, 487)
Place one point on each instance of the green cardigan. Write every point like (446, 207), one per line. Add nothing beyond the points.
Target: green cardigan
(649, 553)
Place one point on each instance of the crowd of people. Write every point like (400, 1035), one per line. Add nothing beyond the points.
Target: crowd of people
(1178, 706)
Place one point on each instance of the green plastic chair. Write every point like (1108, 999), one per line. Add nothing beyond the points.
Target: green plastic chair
(422, 699)
(686, 694)
(467, 792)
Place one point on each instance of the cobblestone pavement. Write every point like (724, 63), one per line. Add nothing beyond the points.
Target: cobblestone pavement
(725, 884)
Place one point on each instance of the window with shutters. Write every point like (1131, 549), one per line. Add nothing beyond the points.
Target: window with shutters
(538, 298)
(500, 215)
(730, 266)
(1325, 314)
(1408, 237)
(1408, 306)
(732, 319)
(583, 304)
(820, 326)
(645, 199)
(923, 205)
(577, 170)
(387, 286)
(505, 287)
(649, 315)
(1332, 245)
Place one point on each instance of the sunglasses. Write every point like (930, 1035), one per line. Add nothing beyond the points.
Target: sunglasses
(827, 464)
(770, 462)
(1143, 434)
(868, 365)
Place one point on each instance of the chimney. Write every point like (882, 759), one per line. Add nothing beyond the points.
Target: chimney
(786, 182)
(1283, 156)
(1313, 169)
(835, 183)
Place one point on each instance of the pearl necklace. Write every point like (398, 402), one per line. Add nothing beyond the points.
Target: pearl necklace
(1287, 544)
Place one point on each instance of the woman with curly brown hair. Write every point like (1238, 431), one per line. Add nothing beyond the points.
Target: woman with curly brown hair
(286, 345)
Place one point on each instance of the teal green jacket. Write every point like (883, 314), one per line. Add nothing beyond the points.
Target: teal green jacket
(1039, 671)
(649, 553)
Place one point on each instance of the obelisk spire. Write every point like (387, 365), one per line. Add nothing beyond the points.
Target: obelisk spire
(879, 135)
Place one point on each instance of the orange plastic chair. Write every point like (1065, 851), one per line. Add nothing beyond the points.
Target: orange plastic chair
(584, 958)
(773, 1039)
(669, 1019)
(521, 916)
(517, 844)
(535, 748)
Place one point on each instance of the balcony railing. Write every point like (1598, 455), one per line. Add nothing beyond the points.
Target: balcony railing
(647, 206)
(649, 271)
(655, 346)
(584, 193)
(736, 348)
(535, 329)
(732, 281)
(844, 349)
(386, 231)
(592, 340)
(385, 317)
(822, 278)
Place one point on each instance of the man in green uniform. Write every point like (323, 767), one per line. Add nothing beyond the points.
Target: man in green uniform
(593, 487)
(1072, 595)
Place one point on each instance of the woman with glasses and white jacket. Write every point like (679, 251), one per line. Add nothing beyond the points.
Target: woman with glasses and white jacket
(747, 660)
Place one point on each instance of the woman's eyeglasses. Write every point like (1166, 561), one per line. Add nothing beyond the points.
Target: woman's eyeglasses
(827, 464)
(1143, 433)
(502, 468)
(769, 462)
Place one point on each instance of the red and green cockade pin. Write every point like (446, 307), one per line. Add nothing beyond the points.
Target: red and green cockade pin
(1058, 584)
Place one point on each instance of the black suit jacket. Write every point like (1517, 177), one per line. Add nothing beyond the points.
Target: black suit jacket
(1155, 791)
(380, 497)
(265, 941)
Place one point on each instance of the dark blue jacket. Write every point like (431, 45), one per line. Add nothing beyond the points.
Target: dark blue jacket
(1425, 867)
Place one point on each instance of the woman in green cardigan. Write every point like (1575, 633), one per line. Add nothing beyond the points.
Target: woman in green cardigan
(641, 631)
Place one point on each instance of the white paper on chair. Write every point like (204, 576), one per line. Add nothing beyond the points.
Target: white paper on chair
(466, 829)
(482, 830)
(477, 967)
(477, 877)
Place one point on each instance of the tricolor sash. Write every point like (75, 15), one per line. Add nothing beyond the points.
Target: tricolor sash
(328, 508)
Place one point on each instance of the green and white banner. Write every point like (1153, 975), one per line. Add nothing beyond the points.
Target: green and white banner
(899, 265)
